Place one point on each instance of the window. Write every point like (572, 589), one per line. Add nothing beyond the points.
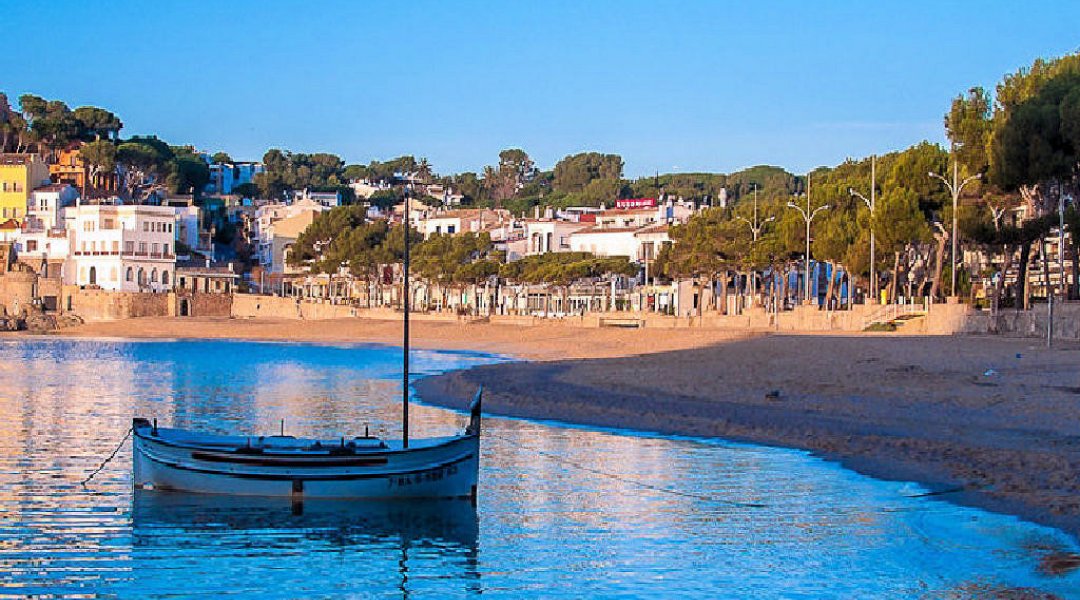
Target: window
(170, 227)
(129, 248)
(31, 245)
(153, 276)
(154, 248)
(142, 247)
(115, 246)
(165, 277)
(127, 275)
(165, 248)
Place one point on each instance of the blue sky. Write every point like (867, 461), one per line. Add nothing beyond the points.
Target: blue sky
(671, 86)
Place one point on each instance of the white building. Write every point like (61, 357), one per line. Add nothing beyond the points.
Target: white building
(43, 206)
(225, 177)
(276, 245)
(365, 188)
(188, 228)
(326, 199)
(549, 235)
(263, 229)
(458, 221)
(606, 241)
(126, 248)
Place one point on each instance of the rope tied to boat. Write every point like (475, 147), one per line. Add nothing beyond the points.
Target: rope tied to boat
(110, 457)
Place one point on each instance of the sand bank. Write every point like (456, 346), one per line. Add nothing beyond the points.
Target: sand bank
(983, 421)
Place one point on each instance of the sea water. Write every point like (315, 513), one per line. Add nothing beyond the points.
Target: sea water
(562, 512)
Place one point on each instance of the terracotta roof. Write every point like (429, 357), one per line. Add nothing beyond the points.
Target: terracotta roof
(655, 228)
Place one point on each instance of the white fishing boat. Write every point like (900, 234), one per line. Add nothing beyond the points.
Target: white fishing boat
(359, 467)
(281, 465)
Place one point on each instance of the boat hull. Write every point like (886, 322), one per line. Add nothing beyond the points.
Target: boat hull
(444, 468)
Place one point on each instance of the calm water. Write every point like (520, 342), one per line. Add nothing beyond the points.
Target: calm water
(563, 511)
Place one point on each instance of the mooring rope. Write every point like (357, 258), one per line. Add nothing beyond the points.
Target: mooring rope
(111, 456)
(628, 480)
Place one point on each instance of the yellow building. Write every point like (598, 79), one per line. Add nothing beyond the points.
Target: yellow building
(19, 175)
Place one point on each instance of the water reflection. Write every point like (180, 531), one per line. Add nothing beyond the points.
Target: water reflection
(563, 512)
(247, 535)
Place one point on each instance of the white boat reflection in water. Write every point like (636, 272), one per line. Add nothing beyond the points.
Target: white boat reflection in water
(158, 516)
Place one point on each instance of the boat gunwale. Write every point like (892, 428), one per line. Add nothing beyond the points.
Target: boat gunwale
(296, 477)
(139, 431)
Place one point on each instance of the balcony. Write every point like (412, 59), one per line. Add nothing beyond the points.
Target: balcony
(137, 255)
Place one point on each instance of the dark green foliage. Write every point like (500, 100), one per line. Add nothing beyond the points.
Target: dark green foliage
(563, 268)
(286, 172)
(575, 172)
(188, 173)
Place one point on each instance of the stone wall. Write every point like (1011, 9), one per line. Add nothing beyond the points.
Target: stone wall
(199, 304)
(101, 305)
(246, 306)
(1029, 323)
(17, 291)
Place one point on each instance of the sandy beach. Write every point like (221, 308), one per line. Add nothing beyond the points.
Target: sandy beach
(984, 421)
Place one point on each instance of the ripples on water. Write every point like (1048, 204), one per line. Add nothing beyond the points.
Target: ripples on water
(563, 511)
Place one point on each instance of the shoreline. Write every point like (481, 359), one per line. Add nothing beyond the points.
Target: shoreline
(1012, 450)
(987, 422)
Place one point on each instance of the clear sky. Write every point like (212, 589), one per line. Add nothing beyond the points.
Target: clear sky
(671, 86)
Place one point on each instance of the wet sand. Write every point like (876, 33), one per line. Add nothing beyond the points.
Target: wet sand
(984, 421)
(967, 417)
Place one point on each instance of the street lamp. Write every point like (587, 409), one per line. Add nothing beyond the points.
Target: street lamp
(755, 229)
(871, 204)
(955, 188)
(808, 216)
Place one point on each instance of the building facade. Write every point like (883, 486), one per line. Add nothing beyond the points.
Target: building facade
(128, 248)
(20, 174)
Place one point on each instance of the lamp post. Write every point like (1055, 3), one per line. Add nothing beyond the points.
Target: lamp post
(955, 188)
(808, 216)
(755, 229)
(871, 203)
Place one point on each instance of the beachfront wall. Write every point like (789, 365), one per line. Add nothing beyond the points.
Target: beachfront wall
(247, 306)
(103, 305)
(1026, 323)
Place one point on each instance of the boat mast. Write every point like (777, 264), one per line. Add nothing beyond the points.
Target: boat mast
(405, 368)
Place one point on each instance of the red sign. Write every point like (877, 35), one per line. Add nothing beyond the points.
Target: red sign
(636, 203)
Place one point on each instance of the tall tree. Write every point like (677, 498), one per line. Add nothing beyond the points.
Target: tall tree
(97, 123)
(100, 157)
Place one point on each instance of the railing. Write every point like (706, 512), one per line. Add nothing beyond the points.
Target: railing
(892, 312)
(125, 254)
